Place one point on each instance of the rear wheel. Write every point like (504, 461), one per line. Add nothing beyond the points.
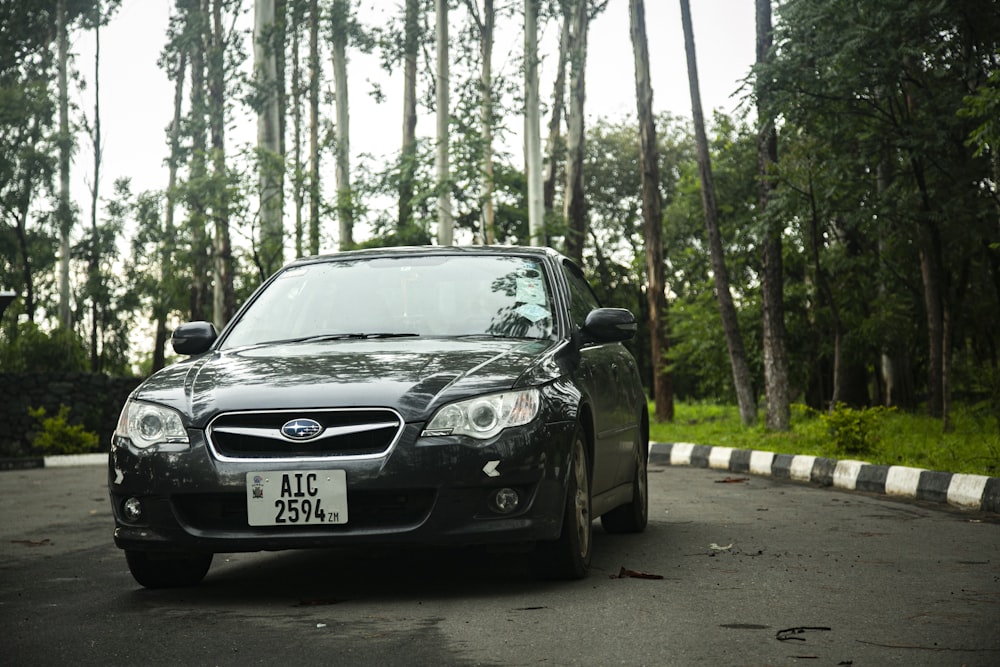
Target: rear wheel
(167, 569)
(569, 556)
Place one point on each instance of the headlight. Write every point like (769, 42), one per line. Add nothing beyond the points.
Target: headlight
(147, 425)
(485, 416)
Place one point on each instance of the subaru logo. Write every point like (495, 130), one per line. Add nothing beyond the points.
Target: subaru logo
(301, 429)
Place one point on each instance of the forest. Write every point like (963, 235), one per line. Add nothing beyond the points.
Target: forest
(837, 241)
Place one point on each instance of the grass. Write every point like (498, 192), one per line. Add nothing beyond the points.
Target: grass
(879, 436)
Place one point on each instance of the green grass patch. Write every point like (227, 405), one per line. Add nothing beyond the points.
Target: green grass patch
(875, 435)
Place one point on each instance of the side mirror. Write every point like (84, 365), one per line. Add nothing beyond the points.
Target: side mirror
(609, 325)
(193, 337)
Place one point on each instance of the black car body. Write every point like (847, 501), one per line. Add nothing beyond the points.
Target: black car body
(429, 396)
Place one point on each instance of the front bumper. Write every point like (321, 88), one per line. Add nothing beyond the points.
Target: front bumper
(426, 491)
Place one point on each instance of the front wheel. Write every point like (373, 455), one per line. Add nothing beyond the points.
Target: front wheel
(569, 556)
(167, 569)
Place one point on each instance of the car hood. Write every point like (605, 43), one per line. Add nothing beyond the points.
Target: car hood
(412, 376)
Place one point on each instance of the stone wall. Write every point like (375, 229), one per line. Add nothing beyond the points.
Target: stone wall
(94, 400)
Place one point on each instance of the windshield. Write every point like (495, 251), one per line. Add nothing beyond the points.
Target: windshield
(437, 295)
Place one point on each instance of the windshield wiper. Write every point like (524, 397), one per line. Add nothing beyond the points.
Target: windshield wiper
(388, 335)
(497, 336)
(336, 336)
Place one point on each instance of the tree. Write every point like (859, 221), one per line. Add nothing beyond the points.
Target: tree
(26, 160)
(314, 120)
(111, 300)
(554, 145)
(445, 222)
(166, 240)
(33, 148)
(532, 132)
(772, 277)
(295, 12)
(408, 152)
(649, 166)
(574, 203)
(737, 354)
(340, 19)
(64, 212)
(224, 298)
(484, 25)
(269, 153)
(190, 37)
(96, 278)
(878, 90)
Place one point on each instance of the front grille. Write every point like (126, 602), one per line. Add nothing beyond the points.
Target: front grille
(356, 433)
(368, 510)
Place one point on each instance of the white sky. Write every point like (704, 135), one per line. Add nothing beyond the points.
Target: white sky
(137, 98)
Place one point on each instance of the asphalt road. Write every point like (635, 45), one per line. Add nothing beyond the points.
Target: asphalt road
(754, 572)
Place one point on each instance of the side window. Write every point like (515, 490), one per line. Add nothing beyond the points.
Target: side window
(581, 297)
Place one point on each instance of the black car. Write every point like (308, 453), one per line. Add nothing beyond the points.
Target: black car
(403, 396)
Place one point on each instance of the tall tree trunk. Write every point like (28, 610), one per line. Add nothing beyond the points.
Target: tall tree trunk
(446, 225)
(270, 159)
(224, 298)
(553, 144)
(532, 131)
(161, 308)
(295, 16)
(23, 205)
(197, 207)
(486, 112)
(828, 297)
(64, 212)
(887, 366)
(574, 205)
(314, 74)
(772, 279)
(931, 272)
(345, 207)
(734, 341)
(280, 39)
(408, 153)
(652, 214)
(94, 266)
(894, 365)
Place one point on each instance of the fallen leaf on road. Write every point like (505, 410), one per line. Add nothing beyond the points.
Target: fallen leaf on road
(34, 543)
(732, 480)
(789, 633)
(624, 573)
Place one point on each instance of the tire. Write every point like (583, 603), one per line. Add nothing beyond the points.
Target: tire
(632, 518)
(166, 569)
(569, 556)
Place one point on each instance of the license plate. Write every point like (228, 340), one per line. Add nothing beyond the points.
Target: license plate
(297, 497)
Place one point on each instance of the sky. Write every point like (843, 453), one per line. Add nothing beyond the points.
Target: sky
(137, 97)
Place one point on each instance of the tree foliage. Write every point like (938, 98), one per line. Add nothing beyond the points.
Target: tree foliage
(882, 200)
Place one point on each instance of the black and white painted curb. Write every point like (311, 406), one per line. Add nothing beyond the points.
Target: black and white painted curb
(64, 461)
(967, 492)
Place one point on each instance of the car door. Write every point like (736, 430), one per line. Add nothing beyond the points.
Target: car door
(600, 375)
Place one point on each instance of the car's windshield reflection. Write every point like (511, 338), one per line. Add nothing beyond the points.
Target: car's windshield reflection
(501, 297)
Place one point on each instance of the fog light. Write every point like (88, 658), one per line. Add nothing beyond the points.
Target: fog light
(506, 500)
(132, 508)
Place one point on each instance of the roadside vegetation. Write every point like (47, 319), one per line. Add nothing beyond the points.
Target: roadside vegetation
(876, 435)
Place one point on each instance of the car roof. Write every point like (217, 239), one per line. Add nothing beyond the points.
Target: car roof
(403, 251)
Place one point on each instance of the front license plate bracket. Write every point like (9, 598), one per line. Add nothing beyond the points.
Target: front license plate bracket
(297, 498)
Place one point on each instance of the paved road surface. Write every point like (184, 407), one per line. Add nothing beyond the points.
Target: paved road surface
(755, 572)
